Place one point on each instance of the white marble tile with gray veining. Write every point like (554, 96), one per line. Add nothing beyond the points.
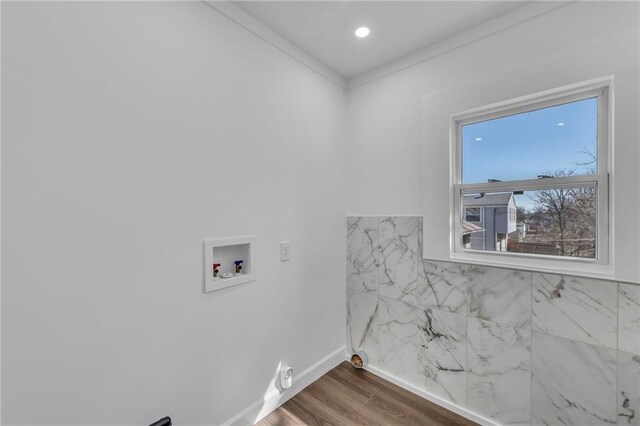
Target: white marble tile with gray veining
(579, 309)
(398, 271)
(397, 336)
(629, 318)
(628, 388)
(442, 286)
(499, 371)
(573, 383)
(362, 323)
(363, 250)
(442, 354)
(500, 295)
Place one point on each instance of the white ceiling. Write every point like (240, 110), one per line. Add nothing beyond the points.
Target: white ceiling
(324, 29)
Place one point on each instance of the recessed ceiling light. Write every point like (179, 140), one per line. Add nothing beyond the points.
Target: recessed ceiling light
(561, 124)
(478, 139)
(362, 32)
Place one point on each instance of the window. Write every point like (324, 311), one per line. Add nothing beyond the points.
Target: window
(535, 170)
(472, 214)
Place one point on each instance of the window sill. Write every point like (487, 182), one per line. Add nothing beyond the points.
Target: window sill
(576, 267)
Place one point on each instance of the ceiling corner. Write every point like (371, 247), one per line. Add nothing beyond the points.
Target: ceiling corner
(240, 17)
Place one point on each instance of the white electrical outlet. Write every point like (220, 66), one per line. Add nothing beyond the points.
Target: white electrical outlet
(285, 250)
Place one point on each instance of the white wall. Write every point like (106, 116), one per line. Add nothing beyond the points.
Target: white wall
(131, 132)
(398, 147)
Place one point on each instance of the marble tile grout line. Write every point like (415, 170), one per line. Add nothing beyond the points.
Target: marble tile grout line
(531, 357)
(418, 266)
(617, 347)
(466, 298)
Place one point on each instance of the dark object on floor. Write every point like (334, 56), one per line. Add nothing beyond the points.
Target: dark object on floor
(346, 396)
(356, 361)
(359, 359)
(165, 421)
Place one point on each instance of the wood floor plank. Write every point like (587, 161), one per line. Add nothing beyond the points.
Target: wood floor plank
(393, 392)
(349, 397)
(316, 413)
(281, 417)
(340, 388)
(395, 413)
(337, 397)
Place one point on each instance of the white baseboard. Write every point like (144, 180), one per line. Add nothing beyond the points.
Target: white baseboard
(431, 397)
(272, 400)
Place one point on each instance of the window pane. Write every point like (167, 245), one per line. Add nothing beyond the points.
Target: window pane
(559, 222)
(554, 141)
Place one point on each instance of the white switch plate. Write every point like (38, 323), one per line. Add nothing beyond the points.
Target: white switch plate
(285, 250)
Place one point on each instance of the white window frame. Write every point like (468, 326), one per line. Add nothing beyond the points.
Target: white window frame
(602, 263)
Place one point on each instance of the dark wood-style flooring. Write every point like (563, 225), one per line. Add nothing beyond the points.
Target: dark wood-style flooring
(346, 396)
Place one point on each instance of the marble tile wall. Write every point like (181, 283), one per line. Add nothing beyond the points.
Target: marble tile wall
(514, 346)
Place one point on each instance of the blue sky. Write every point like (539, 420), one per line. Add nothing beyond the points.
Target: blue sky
(526, 145)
